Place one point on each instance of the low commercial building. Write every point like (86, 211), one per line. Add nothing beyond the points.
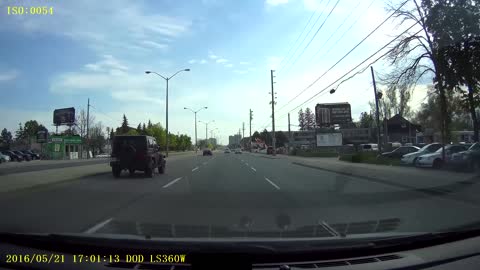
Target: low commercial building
(64, 147)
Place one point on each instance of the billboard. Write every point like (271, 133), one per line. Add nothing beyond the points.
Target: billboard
(329, 139)
(64, 116)
(333, 113)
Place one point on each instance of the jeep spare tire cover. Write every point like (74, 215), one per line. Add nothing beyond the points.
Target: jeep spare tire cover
(127, 154)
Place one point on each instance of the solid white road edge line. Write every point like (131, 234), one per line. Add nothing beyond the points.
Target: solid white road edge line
(272, 183)
(171, 183)
(194, 169)
(253, 169)
(98, 226)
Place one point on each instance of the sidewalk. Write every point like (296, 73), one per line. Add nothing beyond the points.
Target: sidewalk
(405, 177)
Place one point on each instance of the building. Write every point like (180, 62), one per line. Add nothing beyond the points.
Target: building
(401, 130)
(65, 147)
(303, 139)
(234, 140)
(356, 135)
(429, 136)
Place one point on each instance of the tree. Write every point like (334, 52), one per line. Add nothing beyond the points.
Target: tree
(266, 137)
(139, 128)
(149, 124)
(7, 137)
(96, 140)
(280, 139)
(144, 129)
(81, 122)
(19, 134)
(256, 135)
(30, 128)
(455, 28)
(417, 54)
(309, 119)
(366, 120)
(301, 120)
(124, 128)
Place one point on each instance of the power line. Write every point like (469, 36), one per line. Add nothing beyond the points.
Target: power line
(299, 36)
(368, 58)
(343, 57)
(344, 33)
(335, 31)
(314, 35)
(309, 31)
(99, 111)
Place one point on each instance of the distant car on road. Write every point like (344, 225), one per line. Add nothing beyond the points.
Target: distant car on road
(238, 151)
(207, 152)
(13, 156)
(435, 159)
(227, 151)
(141, 153)
(411, 159)
(399, 152)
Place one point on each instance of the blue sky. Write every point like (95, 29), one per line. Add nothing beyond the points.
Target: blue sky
(100, 50)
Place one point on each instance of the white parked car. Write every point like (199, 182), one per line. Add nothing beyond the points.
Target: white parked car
(435, 160)
(368, 147)
(4, 158)
(102, 156)
(411, 158)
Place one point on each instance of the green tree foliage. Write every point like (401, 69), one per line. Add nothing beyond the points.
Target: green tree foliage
(124, 129)
(309, 119)
(7, 137)
(301, 120)
(280, 139)
(266, 137)
(366, 120)
(256, 135)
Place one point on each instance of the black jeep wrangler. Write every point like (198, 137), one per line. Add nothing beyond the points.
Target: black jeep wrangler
(136, 153)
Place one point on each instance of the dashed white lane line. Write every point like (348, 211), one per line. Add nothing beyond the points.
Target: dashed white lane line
(194, 169)
(171, 183)
(246, 164)
(253, 169)
(272, 183)
(98, 226)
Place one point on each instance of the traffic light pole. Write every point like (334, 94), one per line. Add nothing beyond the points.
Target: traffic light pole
(377, 112)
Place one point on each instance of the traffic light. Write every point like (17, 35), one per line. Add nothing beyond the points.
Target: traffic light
(251, 115)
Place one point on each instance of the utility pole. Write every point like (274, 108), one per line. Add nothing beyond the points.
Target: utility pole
(377, 112)
(273, 113)
(289, 133)
(251, 117)
(88, 120)
(243, 130)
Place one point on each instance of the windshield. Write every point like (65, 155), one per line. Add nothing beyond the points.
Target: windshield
(234, 119)
(475, 147)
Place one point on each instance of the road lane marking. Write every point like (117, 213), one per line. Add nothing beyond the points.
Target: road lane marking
(272, 183)
(253, 169)
(171, 183)
(98, 226)
(194, 169)
(242, 160)
(246, 164)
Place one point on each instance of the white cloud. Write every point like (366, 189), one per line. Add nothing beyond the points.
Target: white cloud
(276, 2)
(203, 61)
(211, 55)
(155, 45)
(105, 29)
(229, 65)
(273, 62)
(8, 75)
(109, 62)
(221, 60)
(192, 61)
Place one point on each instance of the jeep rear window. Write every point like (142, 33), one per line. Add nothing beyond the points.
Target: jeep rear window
(140, 143)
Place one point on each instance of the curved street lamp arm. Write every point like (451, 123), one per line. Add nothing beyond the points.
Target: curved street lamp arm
(177, 73)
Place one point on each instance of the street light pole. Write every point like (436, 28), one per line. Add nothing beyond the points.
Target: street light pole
(195, 112)
(166, 113)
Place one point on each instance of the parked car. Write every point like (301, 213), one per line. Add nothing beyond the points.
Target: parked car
(435, 160)
(227, 151)
(26, 157)
(467, 160)
(207, 152)
(270, 150)
(238, 151)
(32, 155)
(141, 153)
(399, 152)
(368, 147)
(411, 159)
(102, 156)
(13, 156)
(4, 158)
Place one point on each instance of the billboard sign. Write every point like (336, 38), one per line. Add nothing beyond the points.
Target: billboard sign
(329, 139)
(64, 116)
(333, 113)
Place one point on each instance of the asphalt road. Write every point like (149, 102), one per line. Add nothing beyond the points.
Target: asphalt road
(234, 195)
